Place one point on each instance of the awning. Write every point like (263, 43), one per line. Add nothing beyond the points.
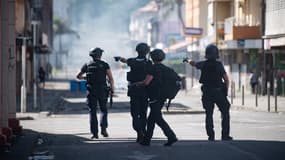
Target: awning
(242, 44)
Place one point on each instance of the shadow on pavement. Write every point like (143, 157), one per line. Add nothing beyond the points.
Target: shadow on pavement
(78, 146)
(21, 147)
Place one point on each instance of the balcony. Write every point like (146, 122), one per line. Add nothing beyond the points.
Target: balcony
(220, 28)
(235, 30)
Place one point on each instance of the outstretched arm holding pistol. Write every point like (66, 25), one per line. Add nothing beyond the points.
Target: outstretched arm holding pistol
(193, 63)
(121, 59)
(187, 60)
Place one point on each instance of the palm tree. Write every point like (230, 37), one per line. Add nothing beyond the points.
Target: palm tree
(61, 28)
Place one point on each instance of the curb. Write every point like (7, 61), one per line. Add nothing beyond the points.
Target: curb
(256, 109)
(189, 111)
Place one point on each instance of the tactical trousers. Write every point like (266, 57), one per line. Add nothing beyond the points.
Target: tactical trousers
(155, 116)
(138, 111)
(210, 97)
(92, 101)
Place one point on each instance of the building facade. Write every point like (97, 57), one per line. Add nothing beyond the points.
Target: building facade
(16, 18)
(235, 27)
(241, 48)
(274, 44)
(7, 62)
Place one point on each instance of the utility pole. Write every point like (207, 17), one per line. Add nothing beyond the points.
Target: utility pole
(24, 83)
(35, 25)
(264, 75)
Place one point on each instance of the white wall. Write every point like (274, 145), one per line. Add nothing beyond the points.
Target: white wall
(274, 18)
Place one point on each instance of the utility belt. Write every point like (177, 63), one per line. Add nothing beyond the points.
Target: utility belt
(223, 88)
(135, 90)
(134, 77)
(98, 89)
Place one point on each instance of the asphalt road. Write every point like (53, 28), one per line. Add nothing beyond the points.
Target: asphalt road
(258, 136)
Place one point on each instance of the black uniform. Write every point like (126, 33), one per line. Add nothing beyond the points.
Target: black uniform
(138, 96)
(156, 104)
(214, 92)
(96, 72)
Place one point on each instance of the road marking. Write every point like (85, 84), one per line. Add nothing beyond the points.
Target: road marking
(48, 157)
(137, 155)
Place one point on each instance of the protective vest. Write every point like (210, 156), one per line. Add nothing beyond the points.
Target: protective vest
(138, 69)
(210, 75)
(96, 73)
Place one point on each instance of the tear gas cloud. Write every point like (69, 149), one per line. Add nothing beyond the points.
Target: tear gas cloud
(99, 23)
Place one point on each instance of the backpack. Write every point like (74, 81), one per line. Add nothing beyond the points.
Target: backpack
(171, 83)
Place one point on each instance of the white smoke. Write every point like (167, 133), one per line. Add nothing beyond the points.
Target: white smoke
(108, 31)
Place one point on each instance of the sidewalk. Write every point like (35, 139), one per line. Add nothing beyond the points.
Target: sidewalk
(262, 102)
(192, 99)
(57, 94)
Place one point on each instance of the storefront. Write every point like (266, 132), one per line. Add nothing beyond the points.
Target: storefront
(241, 59)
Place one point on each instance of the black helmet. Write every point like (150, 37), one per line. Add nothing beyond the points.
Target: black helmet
(157, 55)
(212, 52)
(142, 48)
(96, 52)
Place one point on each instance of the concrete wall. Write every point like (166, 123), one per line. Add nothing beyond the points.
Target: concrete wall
(20, 16)
(1, 72)
(203, 17)
(223, 10)
(8, 62)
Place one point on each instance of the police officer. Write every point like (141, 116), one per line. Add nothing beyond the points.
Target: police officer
(153, 82)
(138, 96)
(215, 83)
(97, 90)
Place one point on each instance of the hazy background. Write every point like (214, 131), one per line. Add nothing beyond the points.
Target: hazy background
(99, 23)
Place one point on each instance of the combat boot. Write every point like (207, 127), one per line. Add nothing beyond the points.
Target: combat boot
(140, 137)
(227, 138)
(95, 136)
(171, 141)
(104, 132)
(145, 142)
(211, 138)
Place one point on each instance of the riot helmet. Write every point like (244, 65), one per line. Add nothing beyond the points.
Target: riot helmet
(96, 52)
(212, 52)
(142, 49)
(157, 55)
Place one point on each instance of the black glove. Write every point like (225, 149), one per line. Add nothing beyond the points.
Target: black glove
(185, 60)
(117, 58)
